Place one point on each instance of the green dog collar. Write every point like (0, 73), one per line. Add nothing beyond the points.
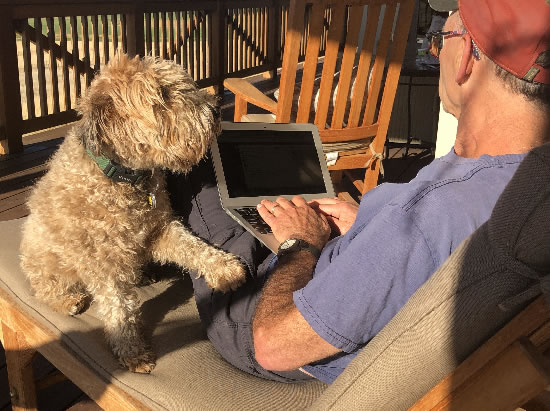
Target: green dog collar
(116, 172)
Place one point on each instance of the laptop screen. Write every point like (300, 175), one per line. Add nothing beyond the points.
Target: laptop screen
(270, 162)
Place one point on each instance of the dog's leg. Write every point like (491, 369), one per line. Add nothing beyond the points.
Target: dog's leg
(72, 300)
(119, 307)
(221, 270)
(60, 290)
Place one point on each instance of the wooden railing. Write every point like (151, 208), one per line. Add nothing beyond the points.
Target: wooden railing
(52, 48)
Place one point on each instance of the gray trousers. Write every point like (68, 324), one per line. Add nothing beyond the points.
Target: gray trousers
(227, 317)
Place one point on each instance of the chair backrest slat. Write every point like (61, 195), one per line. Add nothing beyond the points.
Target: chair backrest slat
(377, 73)
(317, 22)
(337, 26)
(290, 60)
(346, 70)
(365, 58)
(400, 36)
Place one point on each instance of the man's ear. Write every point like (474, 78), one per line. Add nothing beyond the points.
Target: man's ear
(467, 61)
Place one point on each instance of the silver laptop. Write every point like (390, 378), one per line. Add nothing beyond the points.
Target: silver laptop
(256, 161)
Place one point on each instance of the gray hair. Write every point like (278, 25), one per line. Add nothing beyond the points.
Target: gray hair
(537, 93)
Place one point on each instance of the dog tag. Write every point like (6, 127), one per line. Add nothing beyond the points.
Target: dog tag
(152, 200)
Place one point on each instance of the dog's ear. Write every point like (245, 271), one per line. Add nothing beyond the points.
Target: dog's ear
(96, 109)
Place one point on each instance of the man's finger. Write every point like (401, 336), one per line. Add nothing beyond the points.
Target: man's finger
(283, 202)
(331, 209)
(299, 201)
(269, 205)
(265, 213)
(326, 200)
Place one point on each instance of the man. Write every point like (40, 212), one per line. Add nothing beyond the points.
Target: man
(342, 271)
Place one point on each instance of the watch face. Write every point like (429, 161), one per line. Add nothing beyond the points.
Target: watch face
(287, 244)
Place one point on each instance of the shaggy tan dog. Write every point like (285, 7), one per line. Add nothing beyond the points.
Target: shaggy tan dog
(90, 231)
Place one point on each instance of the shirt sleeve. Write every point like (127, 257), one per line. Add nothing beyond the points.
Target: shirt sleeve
(365, 284)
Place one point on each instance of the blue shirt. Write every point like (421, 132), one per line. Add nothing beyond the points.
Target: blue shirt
(402, 234)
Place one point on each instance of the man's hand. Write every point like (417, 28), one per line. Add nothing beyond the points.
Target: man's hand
(340, 214)
(295, 219)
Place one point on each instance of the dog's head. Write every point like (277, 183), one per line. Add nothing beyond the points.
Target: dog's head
(148, 113)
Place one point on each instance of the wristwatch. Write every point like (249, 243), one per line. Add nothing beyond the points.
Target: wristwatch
(293, 245)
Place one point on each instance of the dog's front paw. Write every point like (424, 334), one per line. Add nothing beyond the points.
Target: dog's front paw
(74, 304)
(227, 274)
(142, 363)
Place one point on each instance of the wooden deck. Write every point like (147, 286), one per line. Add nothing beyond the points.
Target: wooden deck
(19, 172)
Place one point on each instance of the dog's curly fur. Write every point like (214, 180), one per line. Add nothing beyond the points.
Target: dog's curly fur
(88, 236)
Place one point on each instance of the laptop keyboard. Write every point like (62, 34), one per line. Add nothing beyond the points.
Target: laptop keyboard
(251, 215)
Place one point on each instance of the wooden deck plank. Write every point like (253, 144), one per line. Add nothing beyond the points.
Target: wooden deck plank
(18, 211)
(14, 201)
(34, 154)
(18, 182)
(26, 173)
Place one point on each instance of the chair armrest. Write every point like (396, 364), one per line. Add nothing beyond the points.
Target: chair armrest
(246, 91)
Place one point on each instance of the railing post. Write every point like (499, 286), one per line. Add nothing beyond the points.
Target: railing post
(274, 34)
(134, 30)
(219, 46)
(11, 139)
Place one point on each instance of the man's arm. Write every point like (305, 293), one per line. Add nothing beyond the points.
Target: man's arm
(283, 340)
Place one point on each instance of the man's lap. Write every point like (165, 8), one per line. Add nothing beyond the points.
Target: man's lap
(226, 316)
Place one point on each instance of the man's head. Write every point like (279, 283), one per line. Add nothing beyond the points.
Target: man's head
(514, 37)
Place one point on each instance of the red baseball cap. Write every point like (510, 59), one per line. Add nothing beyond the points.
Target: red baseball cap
(515, 34)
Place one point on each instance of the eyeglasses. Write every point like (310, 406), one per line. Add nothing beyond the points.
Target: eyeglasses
(437, 40)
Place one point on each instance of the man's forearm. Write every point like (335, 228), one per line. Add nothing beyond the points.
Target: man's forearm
(292, 273)
(280, 332)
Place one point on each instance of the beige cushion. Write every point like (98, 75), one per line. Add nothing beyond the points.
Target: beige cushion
(189, 373)
(258, 118)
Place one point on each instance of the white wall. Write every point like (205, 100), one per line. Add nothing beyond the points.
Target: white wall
(446, 133)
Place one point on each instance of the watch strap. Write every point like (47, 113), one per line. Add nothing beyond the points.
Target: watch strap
(298, 245)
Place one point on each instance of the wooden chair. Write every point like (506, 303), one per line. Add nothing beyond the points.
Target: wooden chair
(355, 104)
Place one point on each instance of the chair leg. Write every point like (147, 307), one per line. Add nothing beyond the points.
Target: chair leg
(371, 176)
(19, 366)
(241, 109)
